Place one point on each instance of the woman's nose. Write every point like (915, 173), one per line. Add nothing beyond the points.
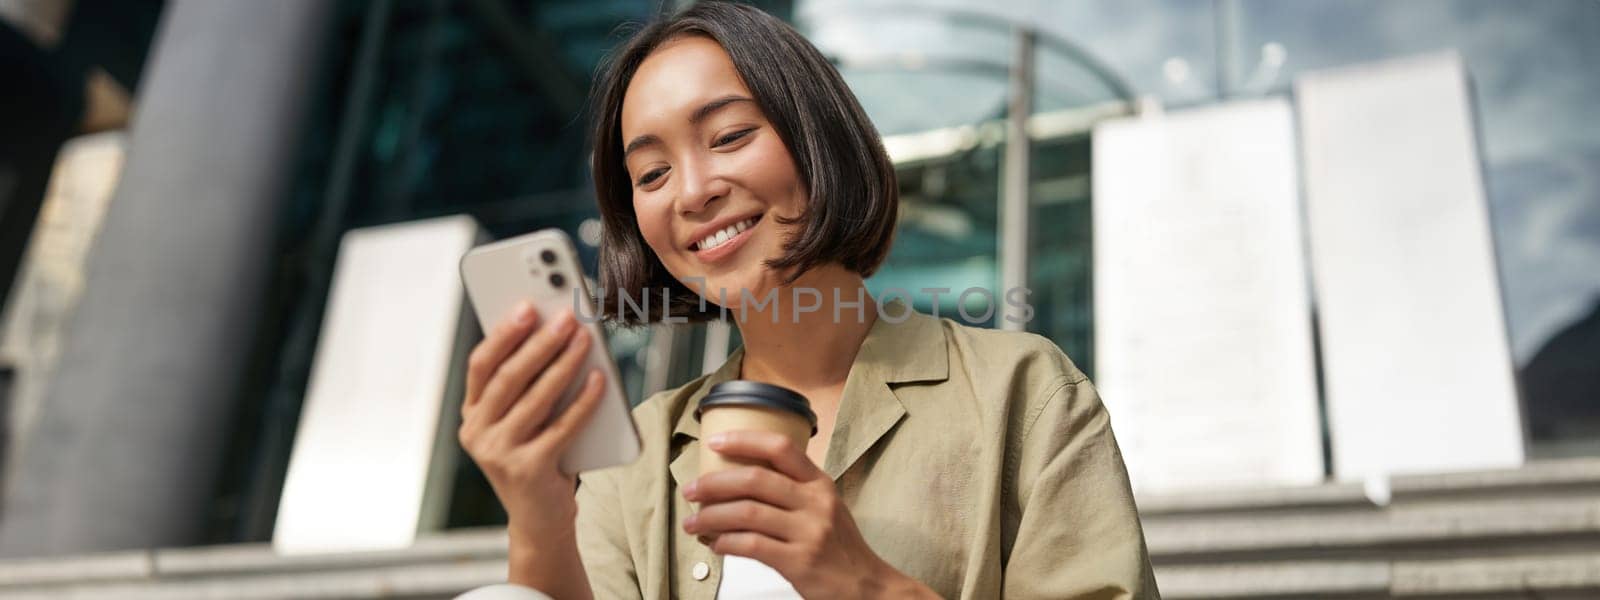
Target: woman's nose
(701, 186)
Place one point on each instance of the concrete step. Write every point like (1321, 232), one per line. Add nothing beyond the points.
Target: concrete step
(1531, 532)
(1543, 508)
(1553, 576)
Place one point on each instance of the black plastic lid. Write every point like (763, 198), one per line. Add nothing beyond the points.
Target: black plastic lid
(741, 392)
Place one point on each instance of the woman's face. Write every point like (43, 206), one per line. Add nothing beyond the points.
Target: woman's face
(708, 171)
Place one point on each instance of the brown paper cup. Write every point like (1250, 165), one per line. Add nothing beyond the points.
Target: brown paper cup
(741, 405)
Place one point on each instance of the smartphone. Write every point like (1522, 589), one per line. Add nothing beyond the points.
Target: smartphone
(542, 267)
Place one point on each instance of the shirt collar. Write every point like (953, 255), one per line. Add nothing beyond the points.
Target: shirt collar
(909, 348)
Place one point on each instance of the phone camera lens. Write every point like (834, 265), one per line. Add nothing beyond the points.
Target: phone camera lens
(557, 280)
(548, 256)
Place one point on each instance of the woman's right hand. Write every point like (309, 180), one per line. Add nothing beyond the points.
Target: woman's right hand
(515, 378)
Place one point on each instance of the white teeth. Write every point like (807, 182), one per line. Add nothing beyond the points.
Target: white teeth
(721, 237)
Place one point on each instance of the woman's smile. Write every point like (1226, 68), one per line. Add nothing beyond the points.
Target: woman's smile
(717, 242)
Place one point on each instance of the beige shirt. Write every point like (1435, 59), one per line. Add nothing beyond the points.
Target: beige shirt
(979, 462)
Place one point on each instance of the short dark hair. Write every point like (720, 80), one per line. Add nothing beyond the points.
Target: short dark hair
(850, 215)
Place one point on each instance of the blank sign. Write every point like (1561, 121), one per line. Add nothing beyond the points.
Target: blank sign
(1203, 346)
(375, 435)
(1418, 370)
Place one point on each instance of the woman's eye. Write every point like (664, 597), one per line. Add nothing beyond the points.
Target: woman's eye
(651, 176)
(732, 137)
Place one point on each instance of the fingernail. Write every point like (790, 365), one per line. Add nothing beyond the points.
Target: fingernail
(717, 441)
(568, 321)
(525, 313)
(690, 490)
(689, 522)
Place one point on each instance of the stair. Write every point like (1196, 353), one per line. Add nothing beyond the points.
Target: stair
(1532, 532)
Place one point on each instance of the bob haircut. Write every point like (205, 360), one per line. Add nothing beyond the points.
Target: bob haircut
(849, 217)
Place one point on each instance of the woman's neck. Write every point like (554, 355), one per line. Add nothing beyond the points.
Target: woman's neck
(811, 349)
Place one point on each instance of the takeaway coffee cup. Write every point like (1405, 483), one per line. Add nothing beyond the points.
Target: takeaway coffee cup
(741, 405)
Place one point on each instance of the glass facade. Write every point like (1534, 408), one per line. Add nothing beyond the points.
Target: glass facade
(1534, 85)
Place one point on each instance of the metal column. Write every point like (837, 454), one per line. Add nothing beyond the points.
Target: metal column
(1014, 180)
(128, 441)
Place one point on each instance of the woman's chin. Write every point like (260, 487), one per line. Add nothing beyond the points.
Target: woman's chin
(733, 288)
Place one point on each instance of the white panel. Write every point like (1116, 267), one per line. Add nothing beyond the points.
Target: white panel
(1203, 349)
(1417, 366)
(371, 419)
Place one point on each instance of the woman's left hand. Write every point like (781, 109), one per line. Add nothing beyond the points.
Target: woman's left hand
(791, 518)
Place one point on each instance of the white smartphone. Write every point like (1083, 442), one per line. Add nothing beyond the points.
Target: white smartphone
(542, 267)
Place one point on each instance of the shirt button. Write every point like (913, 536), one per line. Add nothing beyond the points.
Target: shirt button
(701, 570)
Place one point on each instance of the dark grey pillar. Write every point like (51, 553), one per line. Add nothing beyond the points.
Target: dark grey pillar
(129, 437)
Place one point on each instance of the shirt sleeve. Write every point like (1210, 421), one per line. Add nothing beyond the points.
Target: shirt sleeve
(1078, 532)
(602, 538)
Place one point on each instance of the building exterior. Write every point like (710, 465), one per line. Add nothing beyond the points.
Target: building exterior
(162, 330)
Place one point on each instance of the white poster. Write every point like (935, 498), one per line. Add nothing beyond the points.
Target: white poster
(375, 431)
(1203, 346)
(1418, 368)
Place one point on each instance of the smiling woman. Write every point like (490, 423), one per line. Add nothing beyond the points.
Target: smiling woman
(730, 161)
(735, 97)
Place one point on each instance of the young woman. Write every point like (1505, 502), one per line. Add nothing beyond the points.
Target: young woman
(731, 162)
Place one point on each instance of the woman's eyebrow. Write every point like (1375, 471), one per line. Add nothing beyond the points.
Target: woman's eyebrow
(640, 142)
(700, 114)
(706, 109)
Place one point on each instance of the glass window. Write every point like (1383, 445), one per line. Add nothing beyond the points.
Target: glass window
(1059, 267)
(946, 235)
